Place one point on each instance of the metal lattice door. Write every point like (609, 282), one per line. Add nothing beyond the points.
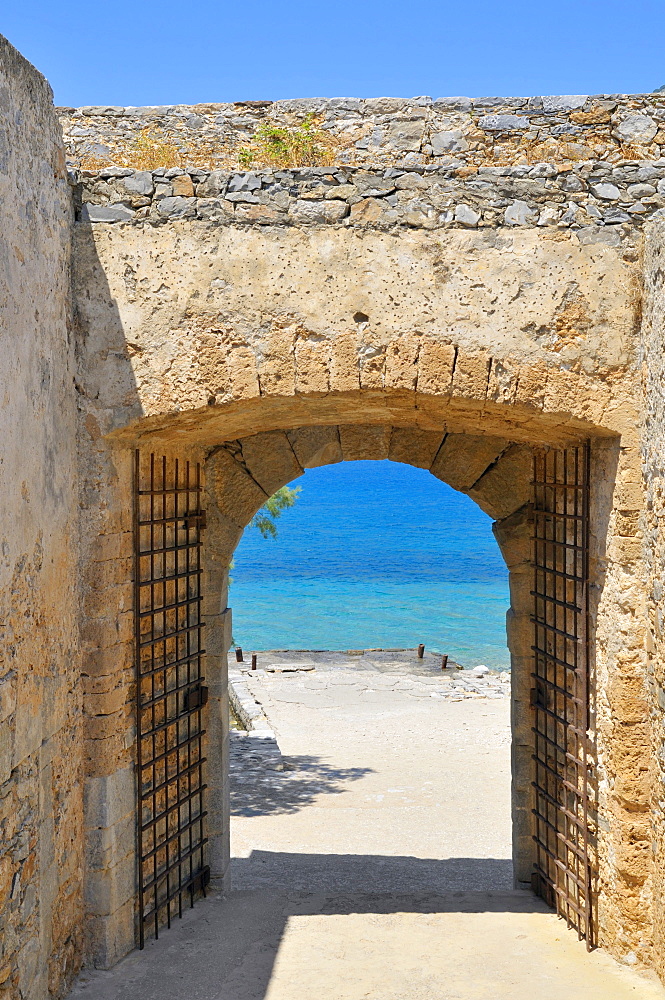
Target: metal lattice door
(565, 809)
(170, 694)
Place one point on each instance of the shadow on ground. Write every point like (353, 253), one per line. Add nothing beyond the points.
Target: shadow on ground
(225, 948)
(264, 783)
(373, 874)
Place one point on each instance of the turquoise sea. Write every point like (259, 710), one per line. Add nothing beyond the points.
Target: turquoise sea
(374, 554)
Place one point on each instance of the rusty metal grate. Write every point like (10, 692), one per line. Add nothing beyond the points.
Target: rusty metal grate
(170, 695)
(564, 751)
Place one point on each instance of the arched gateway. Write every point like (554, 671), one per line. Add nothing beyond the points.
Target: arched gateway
(499, 325)
(250, 356)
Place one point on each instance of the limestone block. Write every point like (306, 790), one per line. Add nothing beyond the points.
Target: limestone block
(107, 889)
(312, 364)
(112, 936)
(360, 442)
(236, 495)
(471, 375)
(271, 460)
(372, 366)
(519, 633)
(218, 634)
(316, 446)
(277, 374)
(344, 367)
(506, 486)
(521, 585)
(242, 371)
(401, 363)
(435, 367)
(108, 800)
(463, 458)
(414, 446)
(105, 845)
(513, 535)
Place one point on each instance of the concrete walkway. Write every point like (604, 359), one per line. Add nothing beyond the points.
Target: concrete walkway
(371, 847)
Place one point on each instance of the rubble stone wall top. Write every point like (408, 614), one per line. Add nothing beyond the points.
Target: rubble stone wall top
(453, 131)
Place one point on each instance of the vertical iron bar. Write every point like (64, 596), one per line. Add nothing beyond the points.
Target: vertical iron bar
(168, 570)
(564, 867)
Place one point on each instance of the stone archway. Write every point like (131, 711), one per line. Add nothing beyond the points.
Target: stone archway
(233, 347)
(494, 471)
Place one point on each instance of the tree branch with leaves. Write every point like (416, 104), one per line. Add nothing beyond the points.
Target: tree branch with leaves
(265, 518)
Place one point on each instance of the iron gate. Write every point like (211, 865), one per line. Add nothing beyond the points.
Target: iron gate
(565, 796)
(170, 695)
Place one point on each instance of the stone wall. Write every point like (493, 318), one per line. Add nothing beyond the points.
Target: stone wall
(196, 334)
(647, 699)
(463, 278)
(41, 906)
(451, 131)
(600, 202)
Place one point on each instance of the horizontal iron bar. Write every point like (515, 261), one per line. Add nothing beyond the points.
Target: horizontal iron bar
(579, 822)
(553, 658)
(163, 668)
(183, 773)
(571, 757)
(551, 599)
(168, 723)
(582, 796)
(553, 686)
(581, 854)
(167, 694)
(147, 886)
(174, 519)
(170, 577)
(168, 548)
(545, 514)
(580, 883)
(176, 746)
(572, 546)
(171, 491)
(180, 832)
(161, 609)
(566, 723)
(171, 635)
(552, 628)
(558, 486)
(560, 574)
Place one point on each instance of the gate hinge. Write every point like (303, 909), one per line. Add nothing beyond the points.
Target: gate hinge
(197, 519)
(196, 698)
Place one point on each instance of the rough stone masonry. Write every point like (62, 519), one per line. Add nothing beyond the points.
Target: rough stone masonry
(464, 281)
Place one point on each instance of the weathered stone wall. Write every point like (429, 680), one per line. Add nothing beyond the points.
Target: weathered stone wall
(196, 334)
(455, 131)
(644, 697)
(601, 203)
(463, 282)
(41, 906)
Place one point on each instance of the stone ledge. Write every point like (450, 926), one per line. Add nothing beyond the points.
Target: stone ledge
(602, 203)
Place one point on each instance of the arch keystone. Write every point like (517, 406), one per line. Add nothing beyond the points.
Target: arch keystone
(414, 446)
(364, 442)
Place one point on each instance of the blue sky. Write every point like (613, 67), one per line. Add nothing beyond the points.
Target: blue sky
(170, 51)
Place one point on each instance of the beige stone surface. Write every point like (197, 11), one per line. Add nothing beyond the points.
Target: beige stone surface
(41, 829)
(261, 349)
